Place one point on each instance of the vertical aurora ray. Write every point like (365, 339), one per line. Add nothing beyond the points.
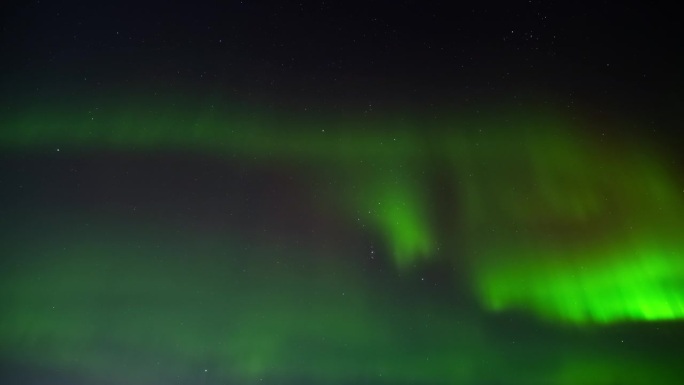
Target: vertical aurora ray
(402, 219)
(397, 207)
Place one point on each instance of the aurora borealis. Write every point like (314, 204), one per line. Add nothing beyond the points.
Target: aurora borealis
(261, 194)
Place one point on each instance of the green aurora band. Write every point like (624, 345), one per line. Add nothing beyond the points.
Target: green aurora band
(586, 232)
(590, 232)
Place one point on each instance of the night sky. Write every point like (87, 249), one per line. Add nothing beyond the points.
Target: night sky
(382, 192)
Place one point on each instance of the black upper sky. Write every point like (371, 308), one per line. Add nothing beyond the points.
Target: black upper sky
(613, 54)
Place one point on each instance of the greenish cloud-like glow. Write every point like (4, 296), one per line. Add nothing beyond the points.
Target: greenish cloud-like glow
(549, 221)
(585, 233)
(86, 301)
(133, 304)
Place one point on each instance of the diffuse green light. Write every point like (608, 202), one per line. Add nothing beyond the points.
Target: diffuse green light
(535, 198)
(109, 298)
(402, 218)
(581, 237)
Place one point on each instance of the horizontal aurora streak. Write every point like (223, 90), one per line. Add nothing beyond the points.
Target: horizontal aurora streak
(588, 233)
(234, 311)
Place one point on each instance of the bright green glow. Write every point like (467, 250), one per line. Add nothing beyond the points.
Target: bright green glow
(631, 285)
(569, 228)
(580, 236)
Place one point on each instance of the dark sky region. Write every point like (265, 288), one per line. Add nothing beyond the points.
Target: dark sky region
(335, 192)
